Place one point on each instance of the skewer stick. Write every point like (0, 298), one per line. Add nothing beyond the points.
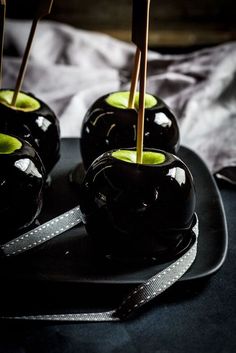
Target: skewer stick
(140, 31)
(43, 9)
(2, 24)
(141, 111)
(134, 78)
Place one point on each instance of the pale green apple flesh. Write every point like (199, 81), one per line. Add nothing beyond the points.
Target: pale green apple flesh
(9, 144)
(149, 157)
(24, 102)
(121, 100)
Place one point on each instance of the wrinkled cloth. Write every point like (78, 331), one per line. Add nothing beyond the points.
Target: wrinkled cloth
(70, 68)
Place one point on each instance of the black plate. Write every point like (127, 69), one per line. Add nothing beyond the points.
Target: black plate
(68, 258)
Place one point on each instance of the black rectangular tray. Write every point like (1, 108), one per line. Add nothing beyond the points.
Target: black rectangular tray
(68, 257)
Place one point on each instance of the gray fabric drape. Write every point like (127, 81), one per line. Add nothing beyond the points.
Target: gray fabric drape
(70, 68)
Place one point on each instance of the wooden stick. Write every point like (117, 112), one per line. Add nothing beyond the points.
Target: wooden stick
(134, 78)
(43, 9)
(141, 111)
(143, 76)
(2, 24)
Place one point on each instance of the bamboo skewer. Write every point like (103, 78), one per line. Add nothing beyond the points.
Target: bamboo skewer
(140, 31)
(43, 10)
(23, 66)
(2, 24)
(143, 79)
(134, 79)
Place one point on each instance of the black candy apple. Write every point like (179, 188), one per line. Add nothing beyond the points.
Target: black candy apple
(138, 212)
(109, 124)
(32, 120)
(22, 178)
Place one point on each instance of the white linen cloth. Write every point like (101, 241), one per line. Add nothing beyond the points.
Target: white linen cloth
(69, 68)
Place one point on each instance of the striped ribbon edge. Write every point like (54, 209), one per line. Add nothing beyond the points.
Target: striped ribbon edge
(141, 295)
(43, 233)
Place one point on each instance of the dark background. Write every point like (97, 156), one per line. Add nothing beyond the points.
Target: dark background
(173, 23)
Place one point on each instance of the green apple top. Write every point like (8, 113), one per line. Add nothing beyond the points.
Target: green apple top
(149, 157)
(9, 144)
(24, 102)
(121, 100)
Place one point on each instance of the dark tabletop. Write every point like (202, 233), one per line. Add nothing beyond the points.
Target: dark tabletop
(192, 316)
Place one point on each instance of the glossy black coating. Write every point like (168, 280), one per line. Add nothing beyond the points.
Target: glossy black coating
(22, 178)
(106, 128)
(67, 262)
(135, 210)
(40, 128)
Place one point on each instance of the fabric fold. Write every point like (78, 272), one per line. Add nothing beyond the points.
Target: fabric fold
(69, 68)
